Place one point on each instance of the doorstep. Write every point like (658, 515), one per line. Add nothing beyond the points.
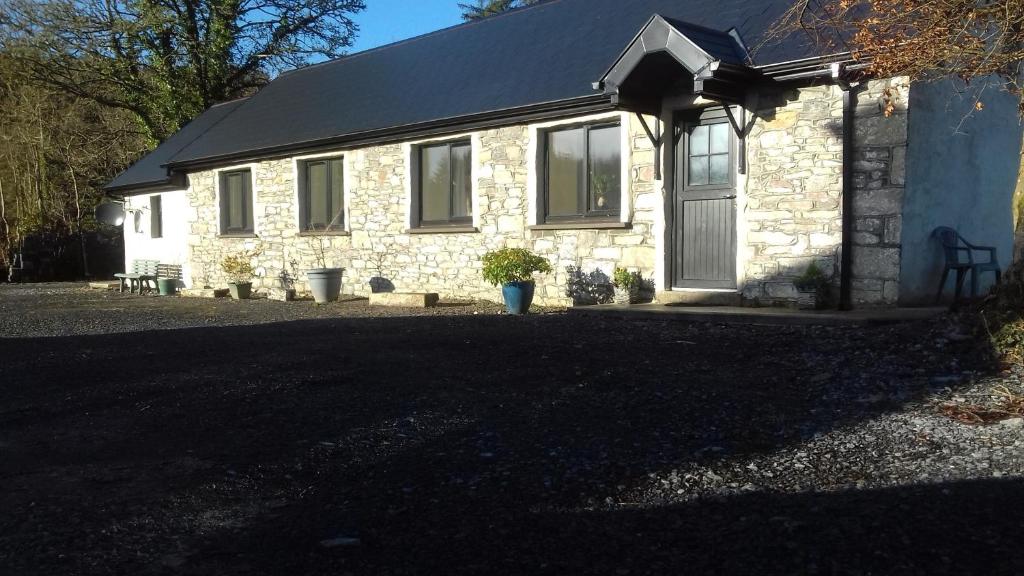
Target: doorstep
(204, 292)
(404, 299)
(762, 316)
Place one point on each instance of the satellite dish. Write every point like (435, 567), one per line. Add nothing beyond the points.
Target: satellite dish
(110, 213)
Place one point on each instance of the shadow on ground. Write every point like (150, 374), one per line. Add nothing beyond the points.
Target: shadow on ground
(469, 444)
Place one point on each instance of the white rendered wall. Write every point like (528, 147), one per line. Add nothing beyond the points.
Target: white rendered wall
(171, 247)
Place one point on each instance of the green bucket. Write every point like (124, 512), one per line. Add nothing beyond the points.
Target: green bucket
(167, 286)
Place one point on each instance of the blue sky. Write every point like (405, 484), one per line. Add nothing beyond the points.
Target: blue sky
(386, 21)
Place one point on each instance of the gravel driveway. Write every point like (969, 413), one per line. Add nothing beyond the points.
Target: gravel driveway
(141, 435)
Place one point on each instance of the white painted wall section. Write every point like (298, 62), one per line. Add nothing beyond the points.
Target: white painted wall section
(171, 247)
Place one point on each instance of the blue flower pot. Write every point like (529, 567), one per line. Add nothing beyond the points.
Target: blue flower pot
(518, 296)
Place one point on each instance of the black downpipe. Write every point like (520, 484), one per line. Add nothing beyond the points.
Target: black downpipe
(846, 255)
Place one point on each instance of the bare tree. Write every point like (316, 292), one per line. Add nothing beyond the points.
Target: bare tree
(167, 60)
(973, 40)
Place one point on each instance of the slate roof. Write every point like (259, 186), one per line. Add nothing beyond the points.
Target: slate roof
(549, 52)
(150, 169)
(719, 44)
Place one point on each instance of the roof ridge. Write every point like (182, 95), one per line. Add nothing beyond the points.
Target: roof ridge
(438, 32)
(689, 24)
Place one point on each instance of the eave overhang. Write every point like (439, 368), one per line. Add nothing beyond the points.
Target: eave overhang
(593, 104)
(174, 181)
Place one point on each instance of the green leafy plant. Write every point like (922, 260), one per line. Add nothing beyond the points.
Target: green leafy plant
(239, 268)
(812, 280)
(602, 186)
(623, 278)
(513, 265)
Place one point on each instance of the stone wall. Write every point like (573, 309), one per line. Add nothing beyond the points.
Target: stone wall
(793, 200)
(790, 204)
(879, 173)
(794, 192)
(379, 244)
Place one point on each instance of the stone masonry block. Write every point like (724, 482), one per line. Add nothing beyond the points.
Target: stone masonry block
(893, 229)
(880, 263)
(898, 169)
(880, 202)
(880, 131)
(404, 299)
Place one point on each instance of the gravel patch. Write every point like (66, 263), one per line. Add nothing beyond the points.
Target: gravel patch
(74, 309)
(178, 436)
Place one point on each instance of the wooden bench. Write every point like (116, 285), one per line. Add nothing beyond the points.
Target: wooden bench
(141, 274)
(168, 271)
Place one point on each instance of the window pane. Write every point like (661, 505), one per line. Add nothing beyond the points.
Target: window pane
(236, 202)
(565, 172)
(434, 184)
(462, 174)
(337, 177)
(719, 169)
(699, 140)
(316, 183)
(719, 138)
(246, 202)
(605, 169)
(698, 170)
(156, 216)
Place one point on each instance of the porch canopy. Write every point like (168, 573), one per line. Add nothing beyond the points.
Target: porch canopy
(671, 56)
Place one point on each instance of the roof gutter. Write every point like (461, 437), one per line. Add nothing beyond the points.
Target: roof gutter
(817, 67)
(587, 104)
(173, 181)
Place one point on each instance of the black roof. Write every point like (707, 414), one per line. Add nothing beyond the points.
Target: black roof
(150, 170)
(717, 43)
(549, 52)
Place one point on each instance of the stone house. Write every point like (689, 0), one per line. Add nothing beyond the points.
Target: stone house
(647, 134)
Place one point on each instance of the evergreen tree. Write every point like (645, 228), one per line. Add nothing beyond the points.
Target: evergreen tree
(484, 8)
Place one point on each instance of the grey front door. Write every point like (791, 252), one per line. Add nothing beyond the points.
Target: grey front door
(704, 248)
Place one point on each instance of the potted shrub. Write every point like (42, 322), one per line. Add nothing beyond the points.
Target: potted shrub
(513, 270)
(324, 281)
(627, 286)
(811, 287)
(240, 272)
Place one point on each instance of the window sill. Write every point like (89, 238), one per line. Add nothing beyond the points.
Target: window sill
(313, 234)
(237, 236)
(583, 226)
(444, 230)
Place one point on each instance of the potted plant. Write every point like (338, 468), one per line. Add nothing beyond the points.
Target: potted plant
(811, 287)
(513, 269)
(324, 281)
(240, 272)
(627, 286)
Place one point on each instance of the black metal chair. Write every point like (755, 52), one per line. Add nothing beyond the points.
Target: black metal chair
(956, 249)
